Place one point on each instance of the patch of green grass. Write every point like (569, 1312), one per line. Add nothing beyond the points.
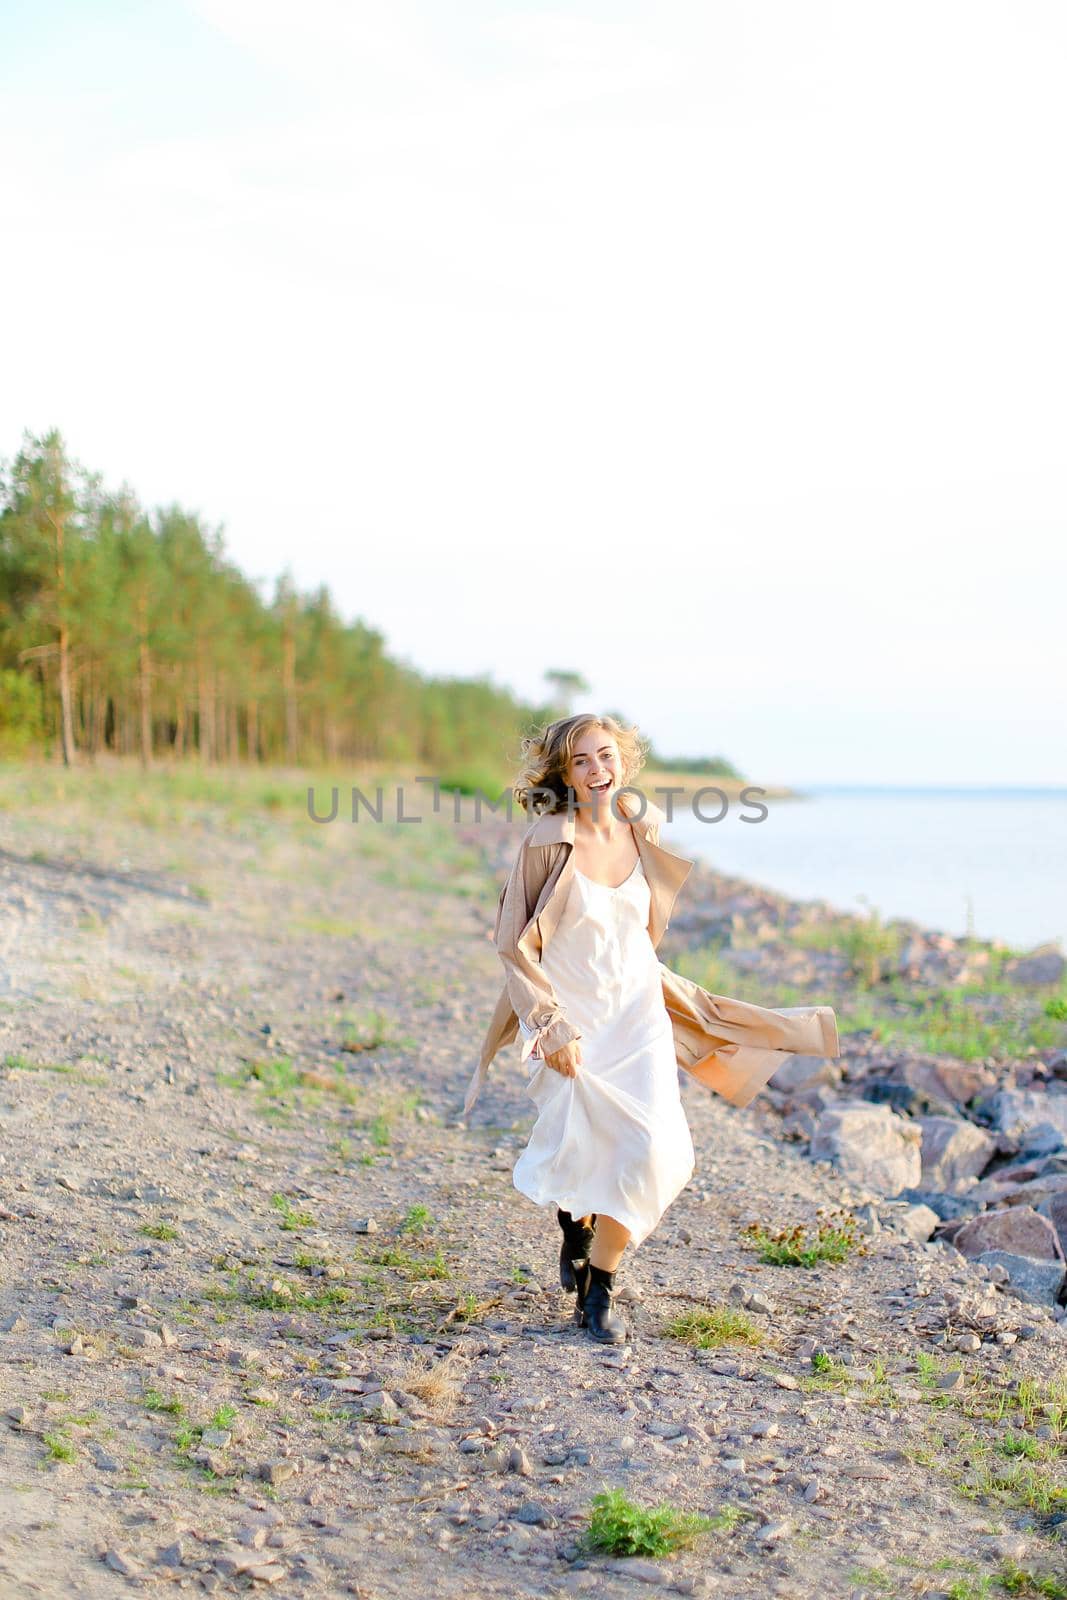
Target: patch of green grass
(416, 1219)
(799, 1246)
(276, 1075)
(159, 1230)
(826, 1373)
(872, 1578)
(289, 1299)
(871, 948)
(291, 1218)
(371, 1029)
(620, 1527)
(708, 1327)
(411, 1266)
(969, 1588)
(1014, 1579)
(19, 1063)
(380, 1131)
(155, 1400)
(59, 1448)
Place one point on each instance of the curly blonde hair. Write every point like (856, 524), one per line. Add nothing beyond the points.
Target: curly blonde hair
(546, 757)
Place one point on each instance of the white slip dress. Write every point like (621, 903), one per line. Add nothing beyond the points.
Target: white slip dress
(614, 1139)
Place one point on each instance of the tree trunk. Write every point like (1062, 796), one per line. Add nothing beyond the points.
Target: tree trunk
(144, 681)
(289, 690)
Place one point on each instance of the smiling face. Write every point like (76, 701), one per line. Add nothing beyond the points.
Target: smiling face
(596, 769)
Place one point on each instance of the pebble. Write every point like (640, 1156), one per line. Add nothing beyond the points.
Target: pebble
(635, 1567)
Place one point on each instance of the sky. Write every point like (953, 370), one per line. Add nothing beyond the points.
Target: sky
(714, 351)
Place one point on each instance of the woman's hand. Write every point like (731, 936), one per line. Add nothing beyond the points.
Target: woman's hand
(566, 1061)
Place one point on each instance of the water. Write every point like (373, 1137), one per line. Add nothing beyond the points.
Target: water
(932, 855)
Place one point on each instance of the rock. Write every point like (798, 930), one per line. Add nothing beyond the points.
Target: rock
(252, 1537)
(121, 1562)
(953, 1152)
(785, 1380)
(1044, 1140)
(1038, 1279)
(234, 1561)
(171, 1555)
(805, 1072)
(635, 1567)
(14, 1324)
(1017, 1229)
(1044, 964)
(532, 1511)
(917, 1223)
(364, 1225)
(142, 1339)
(947, 1082)
(1020, 1112)
(215, 1438)
(280, 1470)
(270, 1572)
(947, 1206)
(870, 1145)
(1057, 1212)
(773, 1532)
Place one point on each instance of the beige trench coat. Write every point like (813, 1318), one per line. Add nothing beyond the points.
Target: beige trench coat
(729, 1045)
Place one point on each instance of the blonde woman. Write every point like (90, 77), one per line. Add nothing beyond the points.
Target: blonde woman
(605, 1024)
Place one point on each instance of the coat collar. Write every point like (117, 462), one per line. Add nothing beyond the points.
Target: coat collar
(557, 827)
(664, 871)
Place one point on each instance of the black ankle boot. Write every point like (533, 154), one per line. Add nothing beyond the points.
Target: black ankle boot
(577, 1242)
(595, 1309)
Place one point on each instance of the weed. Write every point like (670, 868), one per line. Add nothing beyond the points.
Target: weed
(799, 1246)
(620, 1527)
(710, 1326)
(291, 1218)
(417, 1218)
(153, 1400)
(159, 1230)
(1016, 1580)
(59, 1448)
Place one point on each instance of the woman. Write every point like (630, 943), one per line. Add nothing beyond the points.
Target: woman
(605, 1024)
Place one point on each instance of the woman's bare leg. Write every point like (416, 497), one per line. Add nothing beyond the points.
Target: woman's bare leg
(609, 1242)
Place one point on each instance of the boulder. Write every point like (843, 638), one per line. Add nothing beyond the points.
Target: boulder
(805, 1072)
(1046, 963)
(946, 1080)
(1040, 1281)
(1018, 1229)
(916, 1222)
(1020, 1113)
(1057, 1214)
(946, 1206)
(870, 1144)
(954, 1152)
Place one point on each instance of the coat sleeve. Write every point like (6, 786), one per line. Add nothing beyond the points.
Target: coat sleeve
(544, 1026)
